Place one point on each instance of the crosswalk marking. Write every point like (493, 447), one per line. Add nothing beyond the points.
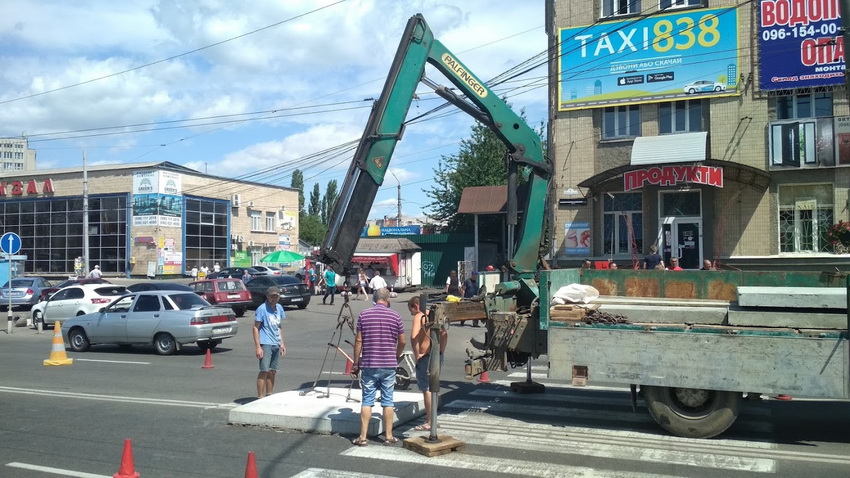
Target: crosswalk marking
(328, 473)
(492, 464)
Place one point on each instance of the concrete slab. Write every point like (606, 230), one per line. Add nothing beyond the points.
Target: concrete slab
(668, 315)
(317, 413)
(795, 297)
(769, 318)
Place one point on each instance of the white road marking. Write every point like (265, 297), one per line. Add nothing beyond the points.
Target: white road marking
(55, 471)
(111, 361)
(326, 473)
(459, 460)
(117, 398)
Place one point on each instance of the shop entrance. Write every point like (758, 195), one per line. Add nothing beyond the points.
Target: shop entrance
(681, 230)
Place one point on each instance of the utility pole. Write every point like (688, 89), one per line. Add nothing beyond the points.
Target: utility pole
(398, 217)
(85, 215)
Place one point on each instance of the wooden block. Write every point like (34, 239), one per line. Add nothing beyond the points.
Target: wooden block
(446, 445)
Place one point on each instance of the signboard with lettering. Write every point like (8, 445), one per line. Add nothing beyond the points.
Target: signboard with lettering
(577, 238)
(667, 57)
(800, 44)
(672, 176)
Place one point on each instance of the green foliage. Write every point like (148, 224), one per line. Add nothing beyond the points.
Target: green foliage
(315, 207)
(329, 201)
(311, 230)
(298, 183)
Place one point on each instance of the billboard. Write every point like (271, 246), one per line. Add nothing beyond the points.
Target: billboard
(676, 56)
(800, 45)
(577, 238)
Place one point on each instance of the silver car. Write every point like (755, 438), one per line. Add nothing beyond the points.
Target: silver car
(24, 292)
(165, 318)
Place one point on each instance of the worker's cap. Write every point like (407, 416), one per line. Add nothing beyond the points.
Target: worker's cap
(97, 267)
(475, 273)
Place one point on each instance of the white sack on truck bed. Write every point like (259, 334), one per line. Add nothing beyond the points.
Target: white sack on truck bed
(574, 293)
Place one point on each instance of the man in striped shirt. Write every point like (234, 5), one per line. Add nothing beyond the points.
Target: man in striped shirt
(379, 342)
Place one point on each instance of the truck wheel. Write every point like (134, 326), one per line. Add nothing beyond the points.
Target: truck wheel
(690, 412)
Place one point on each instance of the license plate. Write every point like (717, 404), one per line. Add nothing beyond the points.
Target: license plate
(221, 330)
(296, 299)
(232, 296)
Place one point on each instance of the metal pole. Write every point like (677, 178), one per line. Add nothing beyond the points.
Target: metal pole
(85, 216)
(9, 316)
(844, 9)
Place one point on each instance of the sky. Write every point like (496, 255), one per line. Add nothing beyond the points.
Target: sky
(250, 90)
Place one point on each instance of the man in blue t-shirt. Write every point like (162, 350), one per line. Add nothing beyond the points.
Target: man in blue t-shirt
(268, 339)
(330, 285)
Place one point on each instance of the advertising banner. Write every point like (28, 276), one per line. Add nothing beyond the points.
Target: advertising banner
(800, 45)
(577, 238)
(668, 57)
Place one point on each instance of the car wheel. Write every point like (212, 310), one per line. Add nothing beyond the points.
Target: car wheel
(78, 340)
(302, 305)
(692, 91)
(717, 88)
(36, 318)
(164, 344)
(402, 378)
(240, 311)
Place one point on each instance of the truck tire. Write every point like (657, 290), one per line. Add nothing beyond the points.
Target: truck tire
(692, 413)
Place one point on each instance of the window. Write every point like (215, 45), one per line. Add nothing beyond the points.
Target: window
(270, 221)
(805, 214)
(808, 105)
(621, 122)
(803, 143)
(679, 3)
(623, 223)
(680, 116)
(147, 303)
(256, 220)
(620, 7)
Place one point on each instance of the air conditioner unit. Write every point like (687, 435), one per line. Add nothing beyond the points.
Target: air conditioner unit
(240, 238)
(250, 243)
(250, 203)
(235, 200)
(280, 216)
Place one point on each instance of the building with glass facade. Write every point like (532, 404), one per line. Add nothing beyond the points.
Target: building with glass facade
(144, 219)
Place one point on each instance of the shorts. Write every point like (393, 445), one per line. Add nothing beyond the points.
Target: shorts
(422, 367)
(271, 358)
(371, 379)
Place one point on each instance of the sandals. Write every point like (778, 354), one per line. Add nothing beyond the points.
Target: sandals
(390, 441)
(422, 428)
(359, 442)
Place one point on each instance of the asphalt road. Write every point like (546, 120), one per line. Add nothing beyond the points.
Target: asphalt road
(73, 420)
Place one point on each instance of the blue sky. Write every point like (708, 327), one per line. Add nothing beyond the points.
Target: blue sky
(247, 89)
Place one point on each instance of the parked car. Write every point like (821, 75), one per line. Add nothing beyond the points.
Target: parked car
(156, 285)
(292, 290)
(73, 301)
(232, 272)
(267, 270)
(703, 86)
(224, 292)
(22, 292)
(47, 292)
(167, 319)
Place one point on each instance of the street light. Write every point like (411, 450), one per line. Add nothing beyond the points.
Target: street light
(398, 219)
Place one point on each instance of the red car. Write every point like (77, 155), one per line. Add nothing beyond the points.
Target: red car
(227, 292)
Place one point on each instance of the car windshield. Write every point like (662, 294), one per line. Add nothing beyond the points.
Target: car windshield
(186, 300)
(112, 290)
(231, 285)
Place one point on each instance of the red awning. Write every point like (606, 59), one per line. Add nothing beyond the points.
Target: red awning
(390, 259)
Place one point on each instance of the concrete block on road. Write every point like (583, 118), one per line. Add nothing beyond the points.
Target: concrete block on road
(796, 297)
(312, 413)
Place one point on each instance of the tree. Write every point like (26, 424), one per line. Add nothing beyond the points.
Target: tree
(312, 230)
(298, 183)
(329, 201)
(315, 207)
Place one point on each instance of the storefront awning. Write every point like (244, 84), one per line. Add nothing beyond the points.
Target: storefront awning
(739, 173)
(390, 259)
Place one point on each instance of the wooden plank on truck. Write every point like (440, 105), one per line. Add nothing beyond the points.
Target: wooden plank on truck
(463, 310)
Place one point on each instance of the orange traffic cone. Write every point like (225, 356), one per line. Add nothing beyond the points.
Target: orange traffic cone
(208, 360)
(57, 350)
(251, 467)
(127, 469)
(484, 378)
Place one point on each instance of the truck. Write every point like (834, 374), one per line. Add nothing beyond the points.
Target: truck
(690, 343)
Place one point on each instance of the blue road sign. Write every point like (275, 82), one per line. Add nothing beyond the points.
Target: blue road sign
(10, 243)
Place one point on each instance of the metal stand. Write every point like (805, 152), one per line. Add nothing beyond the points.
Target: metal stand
(342, 319)
(529, 386)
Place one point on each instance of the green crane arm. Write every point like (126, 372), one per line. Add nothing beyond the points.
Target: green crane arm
(386, 127)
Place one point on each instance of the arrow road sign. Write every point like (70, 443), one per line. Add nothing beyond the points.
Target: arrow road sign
(10, 243)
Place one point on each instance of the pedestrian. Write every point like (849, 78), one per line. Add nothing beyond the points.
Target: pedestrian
(246, 276)
(204, 272)
(452, 284)
(216, 267)
(330, 285)
(268, 340)
(376, 283)
(652, 259)
(470, 290)
(674, 264)
(420, 342)
(377, 346)
(361, 284)
(194, 272)
(613, 266)
(95, 273)
(708, 266)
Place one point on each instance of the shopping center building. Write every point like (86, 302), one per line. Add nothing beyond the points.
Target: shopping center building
(144, 219)
(714, 129)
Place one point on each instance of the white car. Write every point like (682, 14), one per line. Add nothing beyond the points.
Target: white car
(267, 270)
(73, 301)
(703, 86)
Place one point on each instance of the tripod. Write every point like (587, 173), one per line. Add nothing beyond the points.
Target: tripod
(344, 317)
